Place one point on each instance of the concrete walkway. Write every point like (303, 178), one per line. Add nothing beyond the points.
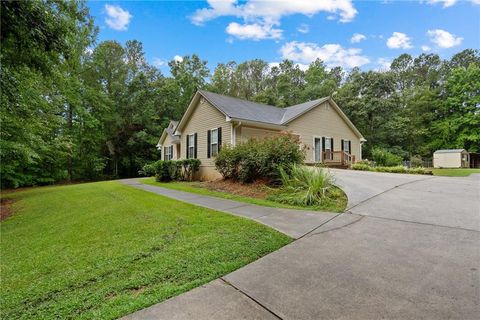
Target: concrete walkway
(294, 223)
(409, 250)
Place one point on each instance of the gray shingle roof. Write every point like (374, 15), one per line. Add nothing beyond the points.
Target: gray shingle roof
(244, 109)
(293, 112)
(450, 151)
(247, 110)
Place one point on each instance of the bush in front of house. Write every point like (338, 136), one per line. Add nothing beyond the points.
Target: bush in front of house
(306, 186)
(171, 170)
(384, 158)
(259, 159)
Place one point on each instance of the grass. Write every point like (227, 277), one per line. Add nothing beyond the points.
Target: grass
(103, 250)
(464, 172)
(199, 188)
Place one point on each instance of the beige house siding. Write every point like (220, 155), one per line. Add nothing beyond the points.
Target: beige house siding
(205, 117)
(166, 143)
(324, 121)
(244, 133)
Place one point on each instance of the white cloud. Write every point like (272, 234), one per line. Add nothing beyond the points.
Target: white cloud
(301, 66)
(445, 3)
(449, 3)
(444, 39)
(265, 14)
(383, 64)
(118, 19)
(304, 28)
(357, 37)
(332, 54)
(425, 48)
(157, 62)
(178, 58)
(253, 31)
(399, 40)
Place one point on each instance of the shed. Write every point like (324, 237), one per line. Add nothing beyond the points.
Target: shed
(451, 158)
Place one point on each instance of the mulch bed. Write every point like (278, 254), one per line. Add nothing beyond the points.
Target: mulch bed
(6, 209)
(257, 189)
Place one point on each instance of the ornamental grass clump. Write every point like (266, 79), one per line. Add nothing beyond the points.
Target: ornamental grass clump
(306, 186)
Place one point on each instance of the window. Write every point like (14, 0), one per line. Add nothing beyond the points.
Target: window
(168, 153)
(328, 144)
(214, 142)
(191, 146)
(346, 146)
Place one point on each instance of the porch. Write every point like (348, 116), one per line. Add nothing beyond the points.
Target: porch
(338, 159)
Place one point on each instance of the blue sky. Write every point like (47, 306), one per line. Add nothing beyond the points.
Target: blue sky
(368, 34)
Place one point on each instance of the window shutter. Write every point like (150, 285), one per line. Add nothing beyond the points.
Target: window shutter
(186, 155)
(331, 144)
(209, 139)
(164, 153)
(219, 130)
(195, 146)
(171, 152)
(342, 146)
(350, 147)
(323, 144)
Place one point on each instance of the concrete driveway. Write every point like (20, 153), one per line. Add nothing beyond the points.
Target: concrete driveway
(407, 249)
(440, 201)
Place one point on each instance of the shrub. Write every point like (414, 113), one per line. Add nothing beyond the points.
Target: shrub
(395, 169)
(304, 186)
(362, 166)
(166, 171)
(190, 166)
(257, 159)
(385, 158)
(150, 169)
(416, 161)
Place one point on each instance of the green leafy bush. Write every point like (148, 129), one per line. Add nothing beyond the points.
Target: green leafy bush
(416, 161)
(362, 166)
(257, 159)
(165, 171)
(395, 169)
(384, 158)
(190, 167)
(305, 186)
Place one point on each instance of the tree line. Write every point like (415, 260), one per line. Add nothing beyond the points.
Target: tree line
(75, 109)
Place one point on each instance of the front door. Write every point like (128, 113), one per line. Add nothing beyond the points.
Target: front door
(318, 149)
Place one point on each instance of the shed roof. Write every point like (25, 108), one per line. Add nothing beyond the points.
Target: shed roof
(450, 151)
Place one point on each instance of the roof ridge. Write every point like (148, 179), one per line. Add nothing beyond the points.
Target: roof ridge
(241, 99)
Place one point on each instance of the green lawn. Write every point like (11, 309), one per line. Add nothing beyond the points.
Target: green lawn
(103, 250)
(195, 187)
(454, 172)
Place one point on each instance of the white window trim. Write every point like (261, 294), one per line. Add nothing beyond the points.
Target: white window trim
(331, 146)
(348, 144)
(169, 154)
(313, 144)
(212, 143)
(191, 145)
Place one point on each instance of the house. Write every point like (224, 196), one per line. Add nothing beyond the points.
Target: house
(212, 120)
(451, 158)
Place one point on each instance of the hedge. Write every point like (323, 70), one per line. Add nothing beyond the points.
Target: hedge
(165, 171)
